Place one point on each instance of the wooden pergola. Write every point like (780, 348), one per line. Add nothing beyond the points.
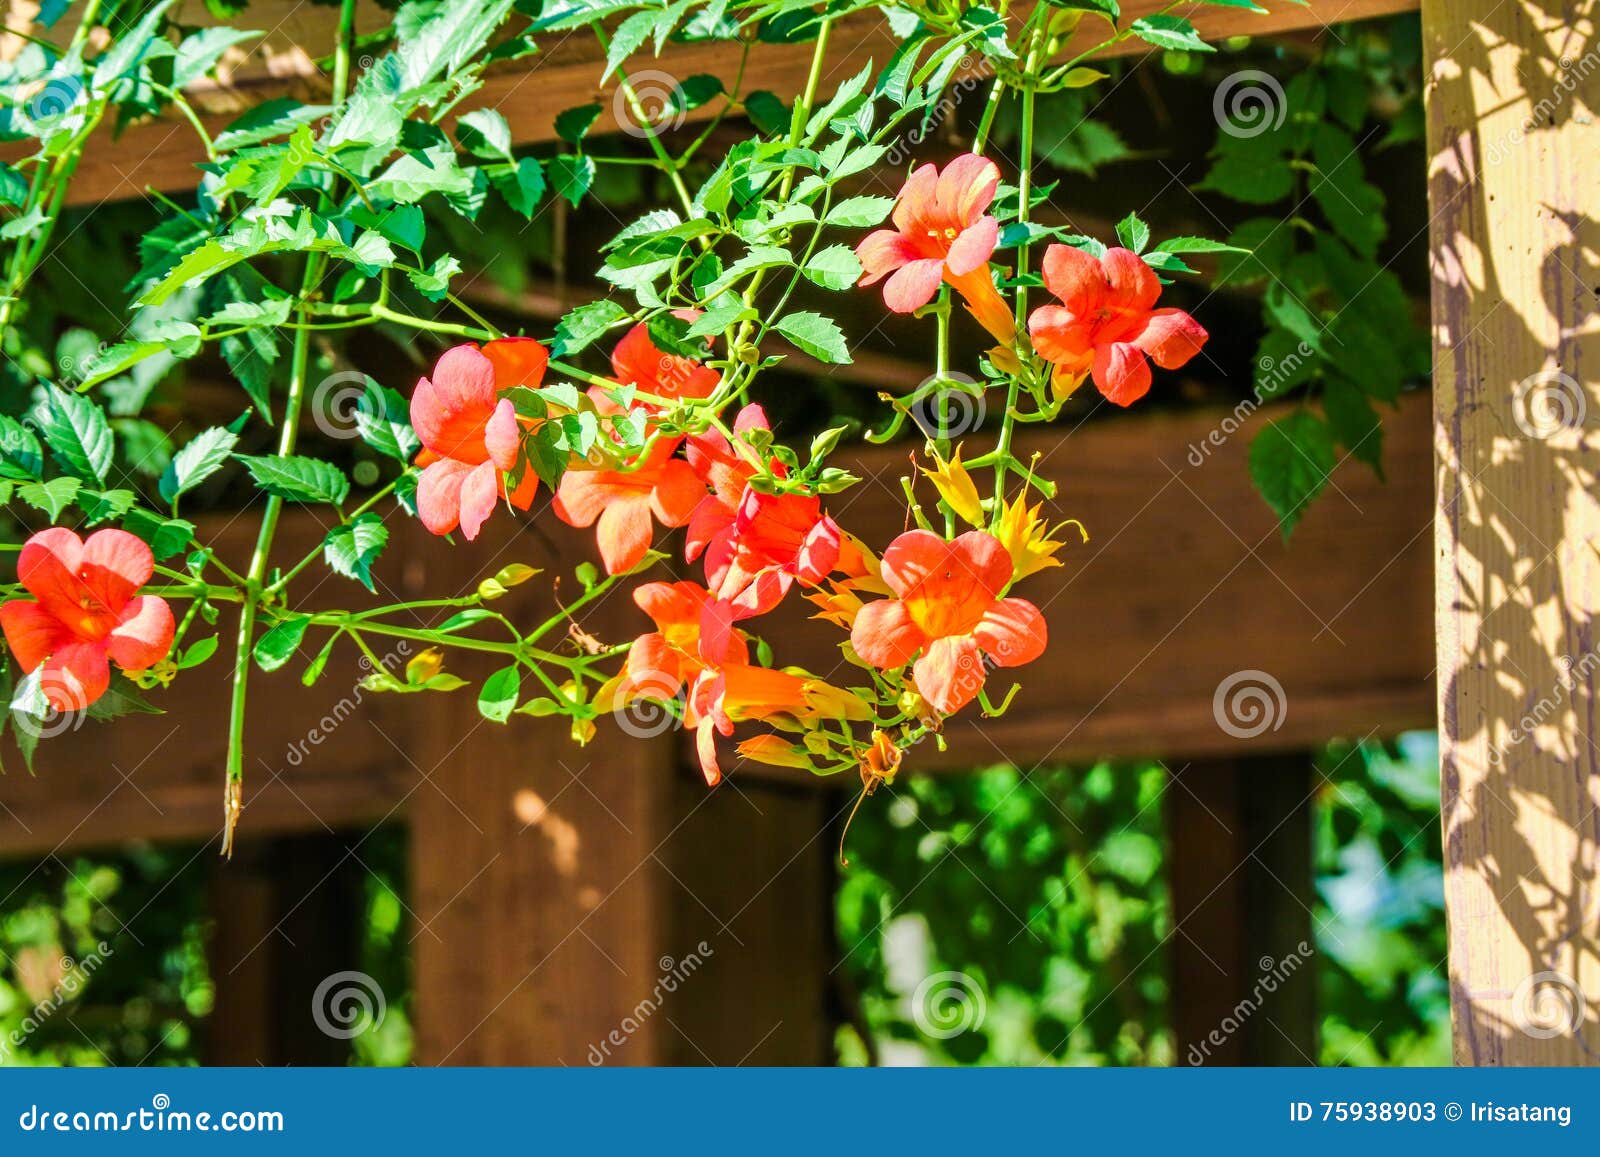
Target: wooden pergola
(551, 886)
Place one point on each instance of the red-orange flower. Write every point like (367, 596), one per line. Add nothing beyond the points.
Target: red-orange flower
(947, 606)
(1107, 324)
(471, 437)
(639, 361)
(88, 613)
(942, 233)
(623, 500)
(694, 644)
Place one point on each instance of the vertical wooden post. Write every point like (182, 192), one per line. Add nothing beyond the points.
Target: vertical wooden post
(596, 905)
(1243, 950)
(1513, 99)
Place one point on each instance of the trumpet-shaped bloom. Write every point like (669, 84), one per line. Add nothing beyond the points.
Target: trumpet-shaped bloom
(774, 539)
(639, 361)
(471, 437)
(622, 501)
(942, 232)
(1107, 324)
(87, 614)
(947, 609)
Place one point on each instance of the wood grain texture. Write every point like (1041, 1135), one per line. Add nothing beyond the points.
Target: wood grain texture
(163, 154)
(1514, 156)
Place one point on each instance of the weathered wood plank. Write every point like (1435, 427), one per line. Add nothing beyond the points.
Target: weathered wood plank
(162, 155)
(1515, 154)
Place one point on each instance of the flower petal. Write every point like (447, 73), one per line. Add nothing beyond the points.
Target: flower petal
(705, 746)
(911, 558)
(950, 673)
(1012, 633)
(480, 486)
(1075, 277)
(144, 636)
(918, 200)
(913, 285)
(819, 551)
(1121, 373)
(75, 676)
(1171, 337)
(32, 632)
(517, 361)
(115, 565)
(439, 494)
(48, 566)
(502, 436)
(677, 494)
(974, 247)
(884, 635)
(1060, 336)
(882, 252)
(1134, 285)
(448, 411)
(967, 187)
(624, 532)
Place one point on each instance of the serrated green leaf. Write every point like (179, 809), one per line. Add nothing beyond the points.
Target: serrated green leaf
(200, 458)
(278, 645)
(1290, 461)
(351, 548)
(835, 267)
(582, 326)
(497, 699)
(297, 479)
(77, 432)
(816, 335)
(52, 497)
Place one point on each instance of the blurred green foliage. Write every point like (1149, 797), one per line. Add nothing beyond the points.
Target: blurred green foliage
(1043, 899)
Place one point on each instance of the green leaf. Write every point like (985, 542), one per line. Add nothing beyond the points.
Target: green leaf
(571, 176)
(434, 281)
(1133, 233)
(78, 434)
(52, 497)
(584, 325)
(816, 335)
(197, 461)
(351, 548)
(768, 113)
(277, 646)
(1172, 32)
(1290, 461)
(860, 212)
(104, 505)
(835, 267)
(485, 133)
(296, 478)
(497, 699)
(21, 456)
(524, 188)
(573, 124)
(166, 536)
(383, 419)
(1354, 422)
(198, 652)
(402, 224)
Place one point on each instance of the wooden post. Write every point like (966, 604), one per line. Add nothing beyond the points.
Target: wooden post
(1513, 97)
(1243, 950)
(600, 905)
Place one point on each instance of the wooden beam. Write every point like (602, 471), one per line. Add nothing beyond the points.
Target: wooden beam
(1185, 603)
(1242, 953)
(163, 154)
(578, 905)
(1515, 156)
